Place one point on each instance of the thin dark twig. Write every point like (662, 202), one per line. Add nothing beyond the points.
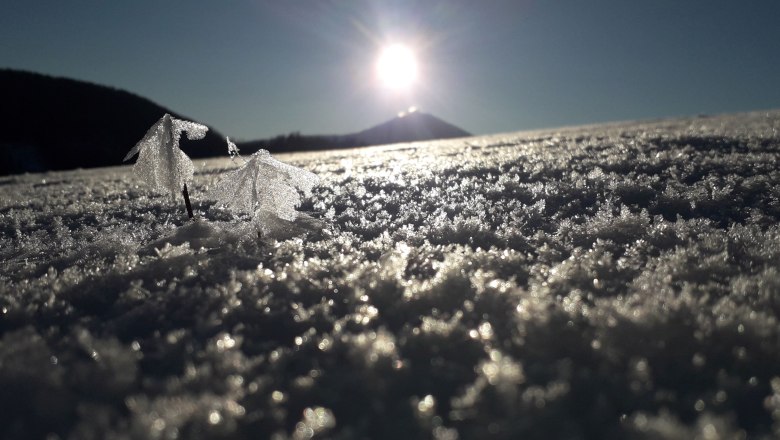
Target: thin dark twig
(187, 200)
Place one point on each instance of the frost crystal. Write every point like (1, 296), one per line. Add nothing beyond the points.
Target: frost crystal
(232, 148)
(265, 187)
(161, 163)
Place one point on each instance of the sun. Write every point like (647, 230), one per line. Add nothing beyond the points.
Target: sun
(396, 67)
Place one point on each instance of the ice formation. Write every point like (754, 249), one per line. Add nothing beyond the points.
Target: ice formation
(265, 188)
(232, 148)
(161, 163)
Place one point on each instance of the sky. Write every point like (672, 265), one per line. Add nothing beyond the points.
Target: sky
(255, 69)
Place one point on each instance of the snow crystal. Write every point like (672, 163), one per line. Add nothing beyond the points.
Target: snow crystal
(265, 188)
(161, 163)
(232, 148)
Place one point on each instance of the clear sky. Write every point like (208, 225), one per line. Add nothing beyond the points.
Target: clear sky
(255, 69)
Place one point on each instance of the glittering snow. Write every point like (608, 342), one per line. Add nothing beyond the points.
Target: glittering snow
(614, 281)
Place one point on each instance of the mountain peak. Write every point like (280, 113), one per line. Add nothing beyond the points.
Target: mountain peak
(409, 126)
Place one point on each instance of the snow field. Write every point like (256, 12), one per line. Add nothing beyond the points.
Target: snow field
(618, 281)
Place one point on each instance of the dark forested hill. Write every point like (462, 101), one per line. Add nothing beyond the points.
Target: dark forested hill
(49, 123)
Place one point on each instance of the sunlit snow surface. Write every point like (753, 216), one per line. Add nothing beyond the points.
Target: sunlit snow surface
(601, 282)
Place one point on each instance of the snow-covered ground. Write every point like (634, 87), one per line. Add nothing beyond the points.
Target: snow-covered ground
(597, 282)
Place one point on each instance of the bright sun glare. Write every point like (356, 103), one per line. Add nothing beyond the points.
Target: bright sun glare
(397, 67)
